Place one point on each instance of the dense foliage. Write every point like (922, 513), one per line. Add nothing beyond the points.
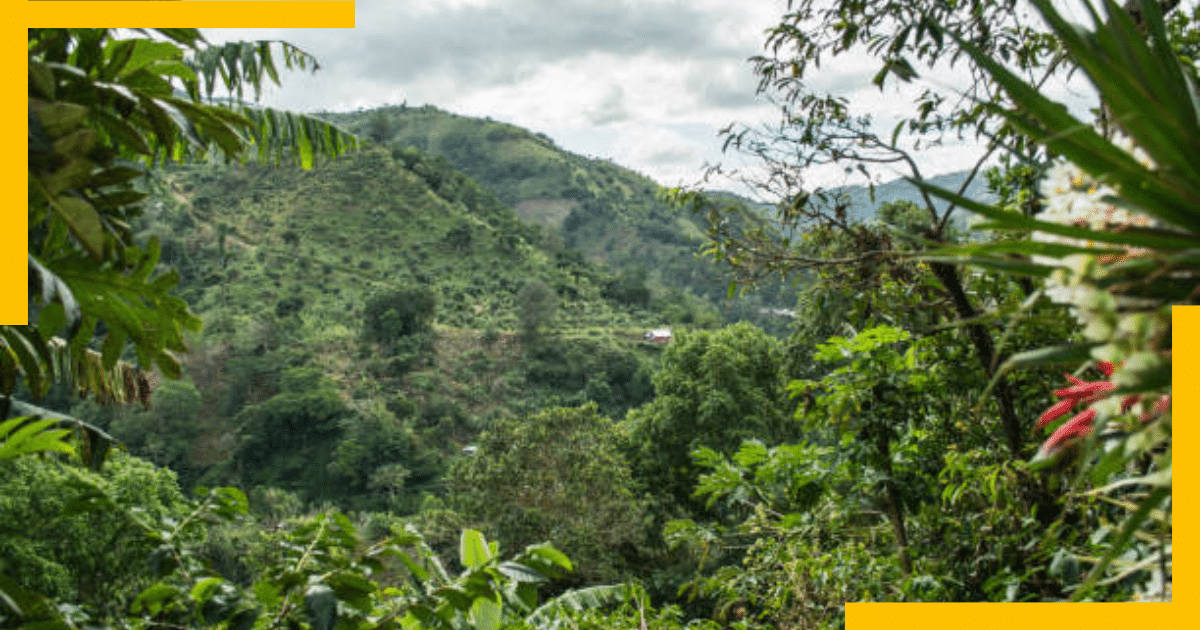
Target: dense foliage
(394, 361)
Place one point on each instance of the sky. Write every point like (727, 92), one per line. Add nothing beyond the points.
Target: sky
(645, 83)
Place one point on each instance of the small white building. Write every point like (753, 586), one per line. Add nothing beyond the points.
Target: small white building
(659, 335)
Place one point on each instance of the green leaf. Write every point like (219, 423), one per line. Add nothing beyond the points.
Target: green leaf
(473, 549)
(418, 572)
(146, 52)
(51, 320)
(1052, 355)
(25, 436)
(58, 118)
(114, 344)
(42, 80)
(122, 135)
(153, 598)
(206, 588)
(551, 555)
(232, 500)
(267, 593)
(116, 175)
(485, 613)
(83, 221)
(320, 603)
(520, 573)
(527, 594)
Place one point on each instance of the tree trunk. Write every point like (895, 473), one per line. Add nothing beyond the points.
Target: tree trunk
(895, 508)
(948, 275)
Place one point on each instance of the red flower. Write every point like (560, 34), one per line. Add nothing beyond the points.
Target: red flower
(1086, 392)
(1079, 426)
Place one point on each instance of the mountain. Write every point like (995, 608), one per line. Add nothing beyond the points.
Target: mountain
(611, 214)
(863, 205)
(392, 297)
(387, 306)
(357, 225)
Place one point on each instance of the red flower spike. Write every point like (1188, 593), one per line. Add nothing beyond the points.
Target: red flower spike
(1078, 426)
(1059, 409)
(1086, 390)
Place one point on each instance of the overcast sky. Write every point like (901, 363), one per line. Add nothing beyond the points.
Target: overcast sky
(646, 83)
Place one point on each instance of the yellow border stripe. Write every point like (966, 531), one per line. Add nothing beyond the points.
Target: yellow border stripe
(14, 220)
(263, 14)
(260, 14)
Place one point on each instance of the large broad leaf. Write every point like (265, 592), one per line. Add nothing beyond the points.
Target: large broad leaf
(473, 549)
(132, 304)
(554, 613)
(280, 135)
(545, 558)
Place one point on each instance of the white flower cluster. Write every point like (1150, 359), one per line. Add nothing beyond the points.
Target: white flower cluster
(1072, 197)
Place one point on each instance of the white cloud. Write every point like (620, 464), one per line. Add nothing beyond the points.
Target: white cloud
(647, 83)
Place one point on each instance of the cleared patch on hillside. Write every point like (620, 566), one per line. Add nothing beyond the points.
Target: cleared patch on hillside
(547, 212)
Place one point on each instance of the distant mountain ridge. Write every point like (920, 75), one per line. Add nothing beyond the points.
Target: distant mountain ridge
(862, 204)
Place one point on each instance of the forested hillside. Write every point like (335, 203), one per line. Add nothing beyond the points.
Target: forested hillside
(612, 215)
(401, 298)
(281, 375)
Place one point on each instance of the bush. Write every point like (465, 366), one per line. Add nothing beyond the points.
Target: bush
(93, 558)
(401, 313)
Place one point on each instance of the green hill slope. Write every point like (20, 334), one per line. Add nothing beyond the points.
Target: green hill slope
(397, 297)
(611, 214)
(359, 225)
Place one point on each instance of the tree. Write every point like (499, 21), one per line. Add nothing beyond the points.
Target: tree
(380, 127)
(288, 440)
(557, 475)
(905, 38)
(94, 558)
(714, 389)
(629, 287)
(536, 303)
(164, 434)
(873, 400)
(399, 313)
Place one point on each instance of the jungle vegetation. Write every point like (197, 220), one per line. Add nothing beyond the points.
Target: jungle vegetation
(385, 369)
